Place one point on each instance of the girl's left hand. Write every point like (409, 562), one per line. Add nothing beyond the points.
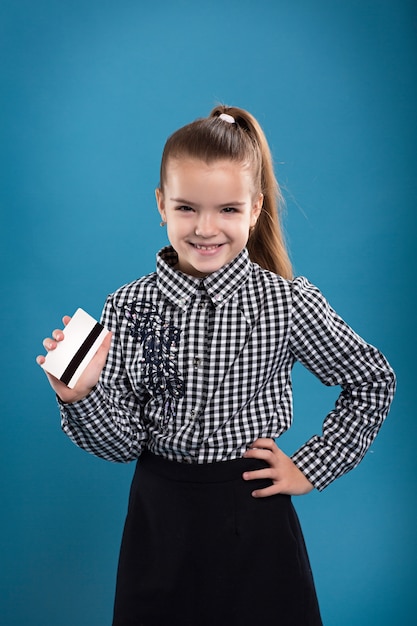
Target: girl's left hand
(285, 475)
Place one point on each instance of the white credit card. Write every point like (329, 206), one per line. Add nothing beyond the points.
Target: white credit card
(83, 336)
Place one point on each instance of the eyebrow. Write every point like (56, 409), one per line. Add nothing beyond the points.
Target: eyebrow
(189, 203)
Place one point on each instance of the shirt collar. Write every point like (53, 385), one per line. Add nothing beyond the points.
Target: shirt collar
(220, 286)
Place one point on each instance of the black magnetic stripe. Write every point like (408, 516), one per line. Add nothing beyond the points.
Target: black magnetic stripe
(80, 354)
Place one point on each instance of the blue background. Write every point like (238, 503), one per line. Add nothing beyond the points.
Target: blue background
(89, 92)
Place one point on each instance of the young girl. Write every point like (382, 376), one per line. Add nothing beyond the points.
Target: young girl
(195, 384)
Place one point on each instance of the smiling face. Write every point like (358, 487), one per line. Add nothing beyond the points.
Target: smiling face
(209, 210)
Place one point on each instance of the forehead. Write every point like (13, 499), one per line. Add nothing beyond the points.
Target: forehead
(222, 173)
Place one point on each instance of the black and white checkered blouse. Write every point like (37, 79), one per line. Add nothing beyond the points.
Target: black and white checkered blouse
(200, 368)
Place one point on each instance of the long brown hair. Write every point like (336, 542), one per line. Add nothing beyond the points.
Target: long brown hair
(244, 141)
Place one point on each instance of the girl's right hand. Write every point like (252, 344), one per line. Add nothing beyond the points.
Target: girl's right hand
(89, 377)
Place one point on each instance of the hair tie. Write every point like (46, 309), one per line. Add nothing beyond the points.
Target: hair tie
(227, 118)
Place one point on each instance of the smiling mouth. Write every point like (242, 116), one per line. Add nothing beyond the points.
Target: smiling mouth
(208, 247)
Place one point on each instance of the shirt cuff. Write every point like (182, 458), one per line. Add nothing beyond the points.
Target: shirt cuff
(82, 409)
(309, 459)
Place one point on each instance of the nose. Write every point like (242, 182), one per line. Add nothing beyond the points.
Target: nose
(206, 226)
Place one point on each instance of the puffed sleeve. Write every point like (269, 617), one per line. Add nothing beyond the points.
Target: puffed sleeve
(109, 421)
(334, 353)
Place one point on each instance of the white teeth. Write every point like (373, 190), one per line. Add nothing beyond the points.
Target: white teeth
(206, 247)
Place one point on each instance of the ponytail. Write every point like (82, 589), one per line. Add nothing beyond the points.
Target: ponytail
(211, 139)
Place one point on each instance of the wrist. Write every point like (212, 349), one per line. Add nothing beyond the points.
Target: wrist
(72, 398)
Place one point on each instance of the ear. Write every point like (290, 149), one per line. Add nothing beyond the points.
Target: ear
(256, 209)
(160, 203)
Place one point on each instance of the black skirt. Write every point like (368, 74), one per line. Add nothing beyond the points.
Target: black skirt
(199, 550)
